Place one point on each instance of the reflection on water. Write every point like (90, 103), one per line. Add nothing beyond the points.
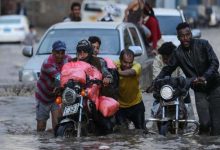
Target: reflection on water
(131, 140)
(17, 131)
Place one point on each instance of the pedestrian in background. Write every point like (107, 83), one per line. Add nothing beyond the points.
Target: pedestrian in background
(134, 14)
(48, 84)
(21, 9)
(31, 37)
(151, 22)
(75, 12)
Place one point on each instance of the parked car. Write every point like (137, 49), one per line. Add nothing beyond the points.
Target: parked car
(215, 16)
(168, 21)
(13, 28)
(192, 16)
(115, 37)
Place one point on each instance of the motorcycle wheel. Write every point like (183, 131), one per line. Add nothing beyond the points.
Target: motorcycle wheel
(163, 128)
(66, 130)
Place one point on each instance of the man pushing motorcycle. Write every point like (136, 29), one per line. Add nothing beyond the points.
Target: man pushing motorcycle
(199, 62)
(130, 97)
(48, 84)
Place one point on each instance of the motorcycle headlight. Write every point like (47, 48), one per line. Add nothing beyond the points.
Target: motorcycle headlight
(166, 92)
(69, 96)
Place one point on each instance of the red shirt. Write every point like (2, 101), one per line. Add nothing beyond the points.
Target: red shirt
(46, 83)
(153, 25)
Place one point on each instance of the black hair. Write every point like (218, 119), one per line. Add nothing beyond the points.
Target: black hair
(182, 25)
(167, 48)
(126, 52)
(94, 39)
(148, 10)
(75, 4)
(31, 26)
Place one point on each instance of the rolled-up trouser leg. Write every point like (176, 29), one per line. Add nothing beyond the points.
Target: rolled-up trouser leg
(202, 106)
(214, 99)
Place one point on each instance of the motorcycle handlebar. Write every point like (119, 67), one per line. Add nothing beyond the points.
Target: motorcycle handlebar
(94, 81)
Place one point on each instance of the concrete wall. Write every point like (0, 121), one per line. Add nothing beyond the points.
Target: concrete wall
(47, 12)
(42, 13)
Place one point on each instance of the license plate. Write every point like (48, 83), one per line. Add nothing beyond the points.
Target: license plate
(71, 109)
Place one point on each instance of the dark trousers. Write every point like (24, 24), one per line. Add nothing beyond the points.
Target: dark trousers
(134, 114)
(208, 108)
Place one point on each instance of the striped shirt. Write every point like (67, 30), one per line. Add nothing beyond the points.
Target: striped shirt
(50, 70)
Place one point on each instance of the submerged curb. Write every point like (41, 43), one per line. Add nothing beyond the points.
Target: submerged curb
(17, 89)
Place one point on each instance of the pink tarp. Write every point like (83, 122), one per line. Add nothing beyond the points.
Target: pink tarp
(78, 71)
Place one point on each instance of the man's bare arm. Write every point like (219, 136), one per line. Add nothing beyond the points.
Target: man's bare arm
(128, 72)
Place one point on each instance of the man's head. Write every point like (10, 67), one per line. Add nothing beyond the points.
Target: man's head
(84, 50)
(58, 51)
(166, 50)
(75, 10)
(96, 43)
(126, 58)
(184, 34)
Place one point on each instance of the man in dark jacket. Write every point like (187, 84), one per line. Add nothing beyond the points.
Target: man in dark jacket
(199, 63)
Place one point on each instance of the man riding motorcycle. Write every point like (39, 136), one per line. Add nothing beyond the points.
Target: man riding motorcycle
(85, 53)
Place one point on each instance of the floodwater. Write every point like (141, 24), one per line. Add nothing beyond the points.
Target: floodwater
(18, 125)
(18, 131)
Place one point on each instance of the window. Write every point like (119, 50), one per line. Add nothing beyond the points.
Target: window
(127, 39)
(135, 36)
(109, 37)
(168, 24)
(10, 21)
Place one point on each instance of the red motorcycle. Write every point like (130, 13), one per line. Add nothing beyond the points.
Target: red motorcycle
(83, 110)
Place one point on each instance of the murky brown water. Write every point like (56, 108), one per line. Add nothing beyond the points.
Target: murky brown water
(17, 131)
(17, 118)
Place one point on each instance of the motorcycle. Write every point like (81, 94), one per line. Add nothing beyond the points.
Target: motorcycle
(83, 110)
(171, 114)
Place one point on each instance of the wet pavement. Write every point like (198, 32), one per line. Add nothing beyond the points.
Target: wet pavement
(17, 131)
(18, 125)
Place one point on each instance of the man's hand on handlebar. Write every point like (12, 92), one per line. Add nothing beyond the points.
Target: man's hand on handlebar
(106, 81)
(199, 81)
(57, 91)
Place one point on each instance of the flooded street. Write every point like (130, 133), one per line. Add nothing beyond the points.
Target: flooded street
(18, 124)
(17, 131)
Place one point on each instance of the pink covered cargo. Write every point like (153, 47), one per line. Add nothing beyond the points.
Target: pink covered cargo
(110, 63)
(108, 106)
(78, 71)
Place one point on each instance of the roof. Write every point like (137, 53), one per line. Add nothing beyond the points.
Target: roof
(166, 12)
(12, 16)
(104, 25)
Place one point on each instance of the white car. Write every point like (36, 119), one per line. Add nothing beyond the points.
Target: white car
(168, 21)
(95, 10)
(13, 28)
(114, 36)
